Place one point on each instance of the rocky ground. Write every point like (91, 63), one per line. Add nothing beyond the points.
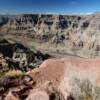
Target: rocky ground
(16, 61)
(55, 79)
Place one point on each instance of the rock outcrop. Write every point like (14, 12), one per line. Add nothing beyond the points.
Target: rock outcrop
(65, 74)
(15, 56)
(56, 79)
(38, 95)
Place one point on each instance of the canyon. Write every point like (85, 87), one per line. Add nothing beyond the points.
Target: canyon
(49, 57)
(76, 35)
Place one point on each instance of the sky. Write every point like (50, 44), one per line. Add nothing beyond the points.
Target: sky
(49, 6)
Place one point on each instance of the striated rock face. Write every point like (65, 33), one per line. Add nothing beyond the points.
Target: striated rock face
(77, 35)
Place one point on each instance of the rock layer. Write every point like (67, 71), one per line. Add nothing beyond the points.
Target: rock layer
(74, 34)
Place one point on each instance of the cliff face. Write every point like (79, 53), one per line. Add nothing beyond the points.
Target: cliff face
(73, 33)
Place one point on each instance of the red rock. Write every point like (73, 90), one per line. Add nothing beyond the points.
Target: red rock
(62, 72)
(38, 95)
(10, 96)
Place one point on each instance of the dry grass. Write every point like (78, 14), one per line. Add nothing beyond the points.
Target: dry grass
(53, 91)
(14, 73)
(85, 90)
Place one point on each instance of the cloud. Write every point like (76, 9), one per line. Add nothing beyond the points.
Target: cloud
(74, 2)
(82, 13)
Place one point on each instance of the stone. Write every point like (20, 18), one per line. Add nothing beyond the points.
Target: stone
(10, 96)
(38, 95)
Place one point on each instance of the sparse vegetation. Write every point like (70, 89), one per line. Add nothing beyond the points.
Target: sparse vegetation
(54, 93)
(30, 55)
(3, 70)
(85, 90)
(14, 73)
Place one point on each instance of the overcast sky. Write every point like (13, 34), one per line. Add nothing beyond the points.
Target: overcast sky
(49, 6)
